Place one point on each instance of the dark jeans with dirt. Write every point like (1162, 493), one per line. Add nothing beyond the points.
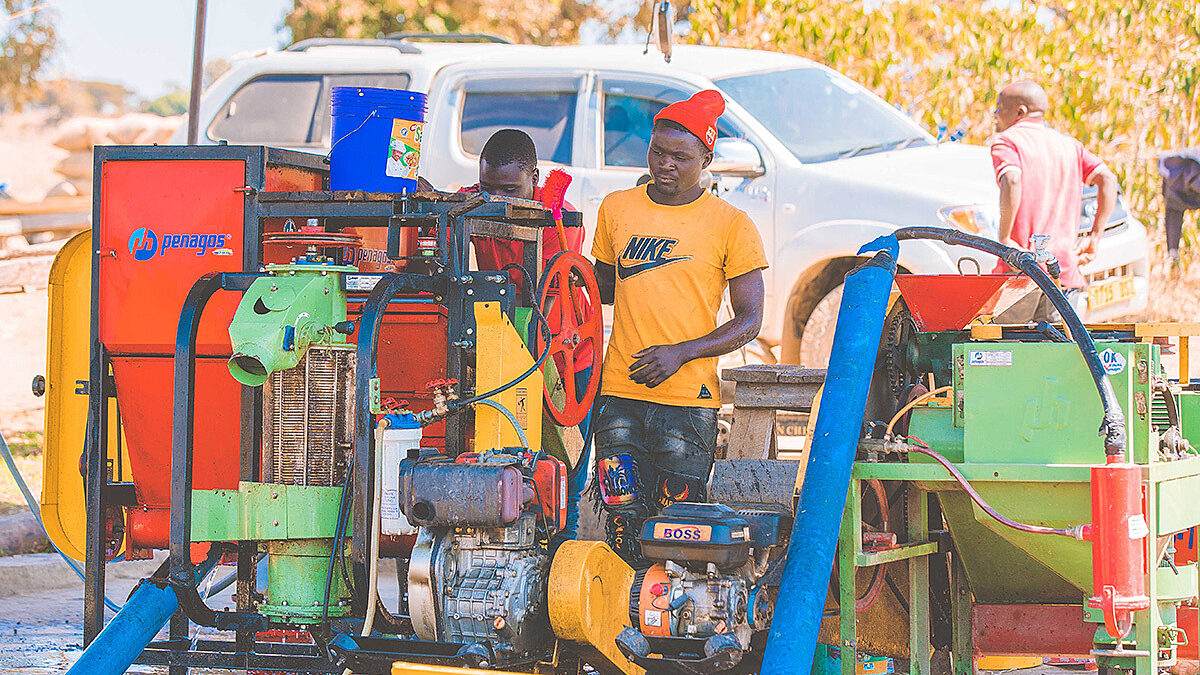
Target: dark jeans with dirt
(649, 456)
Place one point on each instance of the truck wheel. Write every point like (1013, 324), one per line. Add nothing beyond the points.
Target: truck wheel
(816, 341)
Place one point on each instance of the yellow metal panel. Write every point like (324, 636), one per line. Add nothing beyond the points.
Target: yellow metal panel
(501, 356)
(64, 511)
(402, 668)
(986, 332)
(589, 603)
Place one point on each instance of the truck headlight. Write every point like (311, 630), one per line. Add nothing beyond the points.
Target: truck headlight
(972, 219)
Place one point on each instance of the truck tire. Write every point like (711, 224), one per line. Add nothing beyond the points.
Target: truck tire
(816, 340)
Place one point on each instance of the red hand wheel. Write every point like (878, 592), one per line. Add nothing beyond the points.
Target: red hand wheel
(570, 300)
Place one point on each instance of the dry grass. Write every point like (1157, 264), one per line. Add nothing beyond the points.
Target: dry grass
(1174, 291)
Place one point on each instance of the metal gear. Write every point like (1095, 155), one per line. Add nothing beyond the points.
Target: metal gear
(898, 330)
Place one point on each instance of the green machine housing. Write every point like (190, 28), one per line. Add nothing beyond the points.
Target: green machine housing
(1020, 424)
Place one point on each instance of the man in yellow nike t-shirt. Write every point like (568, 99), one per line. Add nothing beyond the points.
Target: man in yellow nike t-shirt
(665, 252)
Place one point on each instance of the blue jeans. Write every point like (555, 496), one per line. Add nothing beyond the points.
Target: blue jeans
(666, 453)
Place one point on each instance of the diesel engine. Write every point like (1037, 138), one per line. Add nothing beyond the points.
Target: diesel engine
(477, 575)
(710, 588)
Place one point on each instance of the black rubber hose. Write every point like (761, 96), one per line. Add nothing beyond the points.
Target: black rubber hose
(1112, 428)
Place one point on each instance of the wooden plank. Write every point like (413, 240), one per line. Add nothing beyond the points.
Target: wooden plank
(803, 376)
(1143, 330)
(753, 435)
(775, 396)
(52, 205)
(760, 372)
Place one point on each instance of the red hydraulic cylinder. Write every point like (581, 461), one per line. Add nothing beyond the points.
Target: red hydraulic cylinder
(1118, 535)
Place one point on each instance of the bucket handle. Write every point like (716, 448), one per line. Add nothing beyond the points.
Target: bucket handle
(360, 126)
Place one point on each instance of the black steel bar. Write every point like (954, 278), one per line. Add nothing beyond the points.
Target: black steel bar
(370, 321)
(95, 439)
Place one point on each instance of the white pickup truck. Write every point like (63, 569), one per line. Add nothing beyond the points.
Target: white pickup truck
(820, 163)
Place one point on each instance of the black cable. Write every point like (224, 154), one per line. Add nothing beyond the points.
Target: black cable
(526, 289)
(1112, 427)
(347, 488)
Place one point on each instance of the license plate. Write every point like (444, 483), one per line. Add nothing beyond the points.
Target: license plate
(1110, 291)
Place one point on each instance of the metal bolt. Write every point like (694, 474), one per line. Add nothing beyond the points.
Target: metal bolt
(284, 603)
(465, 279)
(316, 603)
(274, 495)
(502, 291)
(274, 288)
(470, 291)
(437, 298)
(326, 291)
(470, 331)
(276, 524)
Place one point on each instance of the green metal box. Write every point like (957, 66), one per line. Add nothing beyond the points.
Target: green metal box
(1035, 403)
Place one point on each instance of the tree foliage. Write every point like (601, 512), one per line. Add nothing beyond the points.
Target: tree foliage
(27, 39)
(527, 21)
(1123, 75)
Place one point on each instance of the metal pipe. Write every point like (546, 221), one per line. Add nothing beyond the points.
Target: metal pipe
(145, 613)
(193, 134)
(793, 637)
(1112, 427)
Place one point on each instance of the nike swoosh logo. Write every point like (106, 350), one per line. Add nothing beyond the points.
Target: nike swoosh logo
(626, 271)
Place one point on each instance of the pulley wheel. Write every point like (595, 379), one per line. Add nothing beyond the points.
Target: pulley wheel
(318, 240)
(570, 300)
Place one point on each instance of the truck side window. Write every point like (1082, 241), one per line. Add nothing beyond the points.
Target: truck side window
(547, 114)
(629, 110)
(271, 110)
(321, 123)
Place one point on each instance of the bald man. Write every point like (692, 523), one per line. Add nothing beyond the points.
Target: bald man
(1041, 173)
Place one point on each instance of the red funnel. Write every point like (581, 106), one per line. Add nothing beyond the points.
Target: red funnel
(950, 301)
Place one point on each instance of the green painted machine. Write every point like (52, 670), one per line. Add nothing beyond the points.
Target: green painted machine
(1014, 411)
(289, 335)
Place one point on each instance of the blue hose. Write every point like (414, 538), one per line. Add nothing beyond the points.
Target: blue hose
(792, 642)
(37, 513)
(146, 611)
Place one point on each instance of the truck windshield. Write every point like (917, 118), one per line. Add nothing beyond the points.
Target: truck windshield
(822, 116)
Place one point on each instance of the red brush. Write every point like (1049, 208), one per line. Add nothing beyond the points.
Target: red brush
(554, 191)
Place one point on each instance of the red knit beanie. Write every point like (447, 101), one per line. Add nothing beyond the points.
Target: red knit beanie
(698, 114)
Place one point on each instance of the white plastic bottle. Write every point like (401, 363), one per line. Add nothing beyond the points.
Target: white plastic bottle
(401, 433)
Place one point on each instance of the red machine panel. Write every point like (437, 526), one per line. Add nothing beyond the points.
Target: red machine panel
(412, 352)
(144, 391)
(164, 224)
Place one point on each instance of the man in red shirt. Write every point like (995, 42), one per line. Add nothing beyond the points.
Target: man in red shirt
(1041, 172)
(508, 168)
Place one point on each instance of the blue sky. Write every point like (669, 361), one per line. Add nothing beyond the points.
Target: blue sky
(147, 44)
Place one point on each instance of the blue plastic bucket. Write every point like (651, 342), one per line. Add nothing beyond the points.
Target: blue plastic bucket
(376, 143)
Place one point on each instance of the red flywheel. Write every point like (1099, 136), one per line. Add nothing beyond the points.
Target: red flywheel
(570, 299)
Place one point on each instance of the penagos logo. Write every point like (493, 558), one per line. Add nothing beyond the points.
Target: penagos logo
(650, 252)
(144, 243)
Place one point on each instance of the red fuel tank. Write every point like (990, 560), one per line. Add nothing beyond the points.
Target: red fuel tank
(1118, 534)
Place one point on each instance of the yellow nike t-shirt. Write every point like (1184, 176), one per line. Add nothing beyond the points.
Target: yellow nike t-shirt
(673, 264)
